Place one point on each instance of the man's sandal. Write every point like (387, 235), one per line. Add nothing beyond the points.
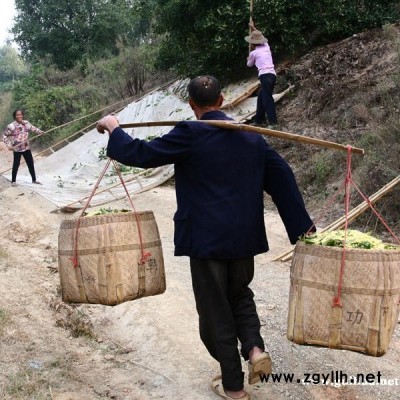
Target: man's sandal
(262, 364)
(218, 389)
(216, 378)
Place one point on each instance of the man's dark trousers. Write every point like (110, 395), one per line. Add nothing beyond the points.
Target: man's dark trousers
(227, 312)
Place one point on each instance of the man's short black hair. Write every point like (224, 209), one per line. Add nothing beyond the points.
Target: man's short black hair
(204, 90)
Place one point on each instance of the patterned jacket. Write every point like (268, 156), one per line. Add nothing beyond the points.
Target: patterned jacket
(16, 135)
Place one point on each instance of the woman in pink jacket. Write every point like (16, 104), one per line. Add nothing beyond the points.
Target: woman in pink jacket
(260, 56)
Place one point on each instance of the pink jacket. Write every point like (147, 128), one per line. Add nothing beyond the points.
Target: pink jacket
(261, 57)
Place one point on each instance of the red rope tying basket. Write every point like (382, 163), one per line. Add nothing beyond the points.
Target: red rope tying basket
(144, 255)
(347, 184)
(115, 257)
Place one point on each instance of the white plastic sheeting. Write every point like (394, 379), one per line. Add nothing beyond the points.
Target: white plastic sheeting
(69, 175)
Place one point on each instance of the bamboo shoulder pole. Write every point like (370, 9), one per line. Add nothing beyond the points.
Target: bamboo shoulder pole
(255, 129)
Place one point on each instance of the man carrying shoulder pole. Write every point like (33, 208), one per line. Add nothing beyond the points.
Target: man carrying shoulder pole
(220, 178)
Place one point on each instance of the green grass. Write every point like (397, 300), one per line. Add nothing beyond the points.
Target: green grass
(5, 109)
(4, 320)
(26, 384)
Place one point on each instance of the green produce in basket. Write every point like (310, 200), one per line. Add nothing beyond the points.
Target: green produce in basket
(355, 239)
(105, 211)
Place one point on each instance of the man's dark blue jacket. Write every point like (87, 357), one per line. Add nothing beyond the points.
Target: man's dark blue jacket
(220, 177)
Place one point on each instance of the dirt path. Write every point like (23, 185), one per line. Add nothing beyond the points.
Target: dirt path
(148, 348)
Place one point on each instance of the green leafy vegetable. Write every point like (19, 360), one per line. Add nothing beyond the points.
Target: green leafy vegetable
(105, 211)
(355, 239)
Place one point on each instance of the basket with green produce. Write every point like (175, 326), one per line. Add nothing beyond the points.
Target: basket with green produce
(109, 256)
(344, 297)
(354, 239)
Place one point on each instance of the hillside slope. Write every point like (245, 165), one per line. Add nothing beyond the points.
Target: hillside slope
(347, 92)
(149, 349)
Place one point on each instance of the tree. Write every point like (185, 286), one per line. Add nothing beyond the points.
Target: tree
(205, 36)
(11, 64)
(70, 31)
(299, 24)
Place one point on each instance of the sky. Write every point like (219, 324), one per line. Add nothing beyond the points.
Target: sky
(7, 13)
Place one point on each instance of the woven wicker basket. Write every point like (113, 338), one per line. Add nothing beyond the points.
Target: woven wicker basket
(109, 253)
(370, 298)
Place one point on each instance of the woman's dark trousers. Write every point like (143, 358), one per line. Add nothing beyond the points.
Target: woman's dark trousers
(265, 101)
(27, 154)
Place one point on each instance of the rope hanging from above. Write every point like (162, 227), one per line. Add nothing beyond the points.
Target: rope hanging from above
(347, 185)
(250, 21)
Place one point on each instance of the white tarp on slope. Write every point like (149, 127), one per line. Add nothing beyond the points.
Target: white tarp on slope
(70, 174)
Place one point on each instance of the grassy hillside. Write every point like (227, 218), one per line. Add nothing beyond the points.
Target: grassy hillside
(5, 107)
(347, 92)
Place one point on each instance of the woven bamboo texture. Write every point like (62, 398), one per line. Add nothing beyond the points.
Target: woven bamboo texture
(370, 297)
(109, 254)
